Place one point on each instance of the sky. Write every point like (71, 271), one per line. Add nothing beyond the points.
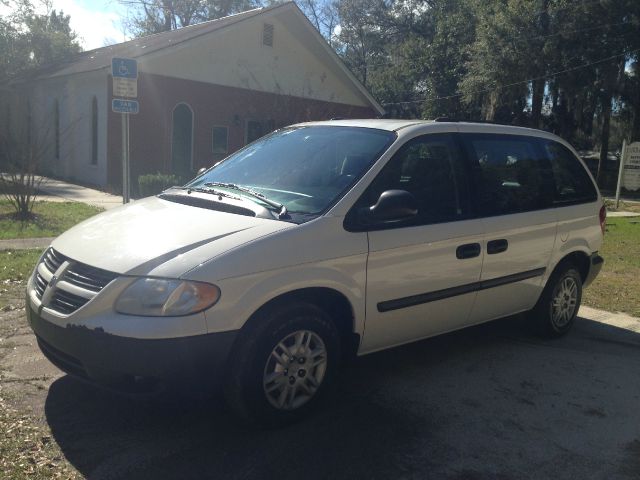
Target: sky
(97, 22)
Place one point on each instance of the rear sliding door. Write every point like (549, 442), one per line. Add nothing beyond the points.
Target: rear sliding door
(514, 187)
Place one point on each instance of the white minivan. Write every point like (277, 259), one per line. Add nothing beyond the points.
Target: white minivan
(317, 242)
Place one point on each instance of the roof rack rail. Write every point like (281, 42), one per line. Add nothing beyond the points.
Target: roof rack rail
(454, 120)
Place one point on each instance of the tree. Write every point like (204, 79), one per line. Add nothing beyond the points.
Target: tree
(147, 17)
(30, 40)
(324, 15)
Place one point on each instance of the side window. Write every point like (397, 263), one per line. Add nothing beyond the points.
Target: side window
(571, 181)
(219, 140)
(253, 131)
(513, 175)
(431, 169)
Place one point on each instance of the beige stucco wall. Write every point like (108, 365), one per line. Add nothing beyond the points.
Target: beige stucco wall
(74, 95)
(296, 64)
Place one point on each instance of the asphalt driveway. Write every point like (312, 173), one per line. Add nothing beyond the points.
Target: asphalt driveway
(490, 402)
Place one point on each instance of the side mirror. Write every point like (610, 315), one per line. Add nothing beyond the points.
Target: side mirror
(392, 206)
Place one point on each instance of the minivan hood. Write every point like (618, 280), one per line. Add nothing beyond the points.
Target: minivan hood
(146, 236)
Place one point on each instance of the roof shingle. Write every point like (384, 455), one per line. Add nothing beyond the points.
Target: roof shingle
(101, 57)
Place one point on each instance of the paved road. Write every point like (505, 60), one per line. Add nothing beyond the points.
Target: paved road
(490, 402)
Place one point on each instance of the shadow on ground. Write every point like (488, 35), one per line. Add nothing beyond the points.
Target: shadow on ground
(486, 402)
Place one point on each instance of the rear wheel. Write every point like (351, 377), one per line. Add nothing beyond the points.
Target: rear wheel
(558, 306)
(284, 365)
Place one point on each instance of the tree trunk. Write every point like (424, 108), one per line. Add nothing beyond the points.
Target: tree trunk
(613, 79)
(635, 129)
(537, 97)
(167, 7)
(490, 106)
(587, 123)
(604, 133)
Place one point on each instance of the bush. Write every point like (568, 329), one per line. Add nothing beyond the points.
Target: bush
(19, 183)
(154, 183)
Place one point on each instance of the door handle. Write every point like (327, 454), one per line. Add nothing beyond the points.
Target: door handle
(468, 250)
(497, 246)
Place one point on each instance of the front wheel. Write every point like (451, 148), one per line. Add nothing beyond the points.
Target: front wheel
(284, 365)
(558, 306)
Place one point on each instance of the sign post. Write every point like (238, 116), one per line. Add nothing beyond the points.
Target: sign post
(629, 174)
(124, 72)
(619, 184)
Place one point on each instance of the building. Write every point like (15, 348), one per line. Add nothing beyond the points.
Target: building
(204, 91)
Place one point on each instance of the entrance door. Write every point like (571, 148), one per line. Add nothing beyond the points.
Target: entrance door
(182, 141)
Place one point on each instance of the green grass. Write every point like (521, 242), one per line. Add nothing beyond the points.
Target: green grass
(617, 288)
(51, 219)
(17, 265)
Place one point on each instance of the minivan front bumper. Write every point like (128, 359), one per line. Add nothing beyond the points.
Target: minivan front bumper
(131, 365)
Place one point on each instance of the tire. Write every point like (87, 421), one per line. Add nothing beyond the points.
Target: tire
(556, 310)
(293, 348)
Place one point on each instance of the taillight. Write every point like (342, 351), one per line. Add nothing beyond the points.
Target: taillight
(603, 218)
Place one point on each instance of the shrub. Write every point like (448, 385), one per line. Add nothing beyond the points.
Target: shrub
(154, 183)
(19, 183)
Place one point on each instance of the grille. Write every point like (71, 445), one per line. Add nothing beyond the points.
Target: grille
(65, 302)
(53, 260)
(60, 359)
(78, 284)
(40, 285)
(91, 278)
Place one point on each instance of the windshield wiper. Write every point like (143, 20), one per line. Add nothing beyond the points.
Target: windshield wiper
(209, 190)
(282, 210)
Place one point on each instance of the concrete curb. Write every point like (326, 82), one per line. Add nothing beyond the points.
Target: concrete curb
(25, 243)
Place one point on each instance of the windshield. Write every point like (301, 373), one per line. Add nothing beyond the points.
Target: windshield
(305, 169)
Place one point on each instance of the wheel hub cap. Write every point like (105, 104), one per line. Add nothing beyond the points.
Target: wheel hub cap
(294, 370)
(564, 302)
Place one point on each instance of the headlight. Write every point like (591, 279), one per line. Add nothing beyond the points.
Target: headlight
(161, 297)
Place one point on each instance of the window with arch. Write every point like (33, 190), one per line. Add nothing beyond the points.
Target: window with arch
(56, 127)
(8, 124)
(94, 131)
(29, 120)
(182, 140)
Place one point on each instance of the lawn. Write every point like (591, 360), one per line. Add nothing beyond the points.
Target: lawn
(15, 268)
(16, 265)
(51, 219)
(617, 288)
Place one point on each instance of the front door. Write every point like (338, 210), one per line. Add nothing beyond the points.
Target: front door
(421, 272)
(182, 141)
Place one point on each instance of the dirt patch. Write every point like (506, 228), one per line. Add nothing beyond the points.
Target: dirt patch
(27, 449)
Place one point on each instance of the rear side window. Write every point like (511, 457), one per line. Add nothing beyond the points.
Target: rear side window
(431, 169)
(571, 181)
(512, 173)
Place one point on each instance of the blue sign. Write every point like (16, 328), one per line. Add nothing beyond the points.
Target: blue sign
(125, 106)
(124, 67)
